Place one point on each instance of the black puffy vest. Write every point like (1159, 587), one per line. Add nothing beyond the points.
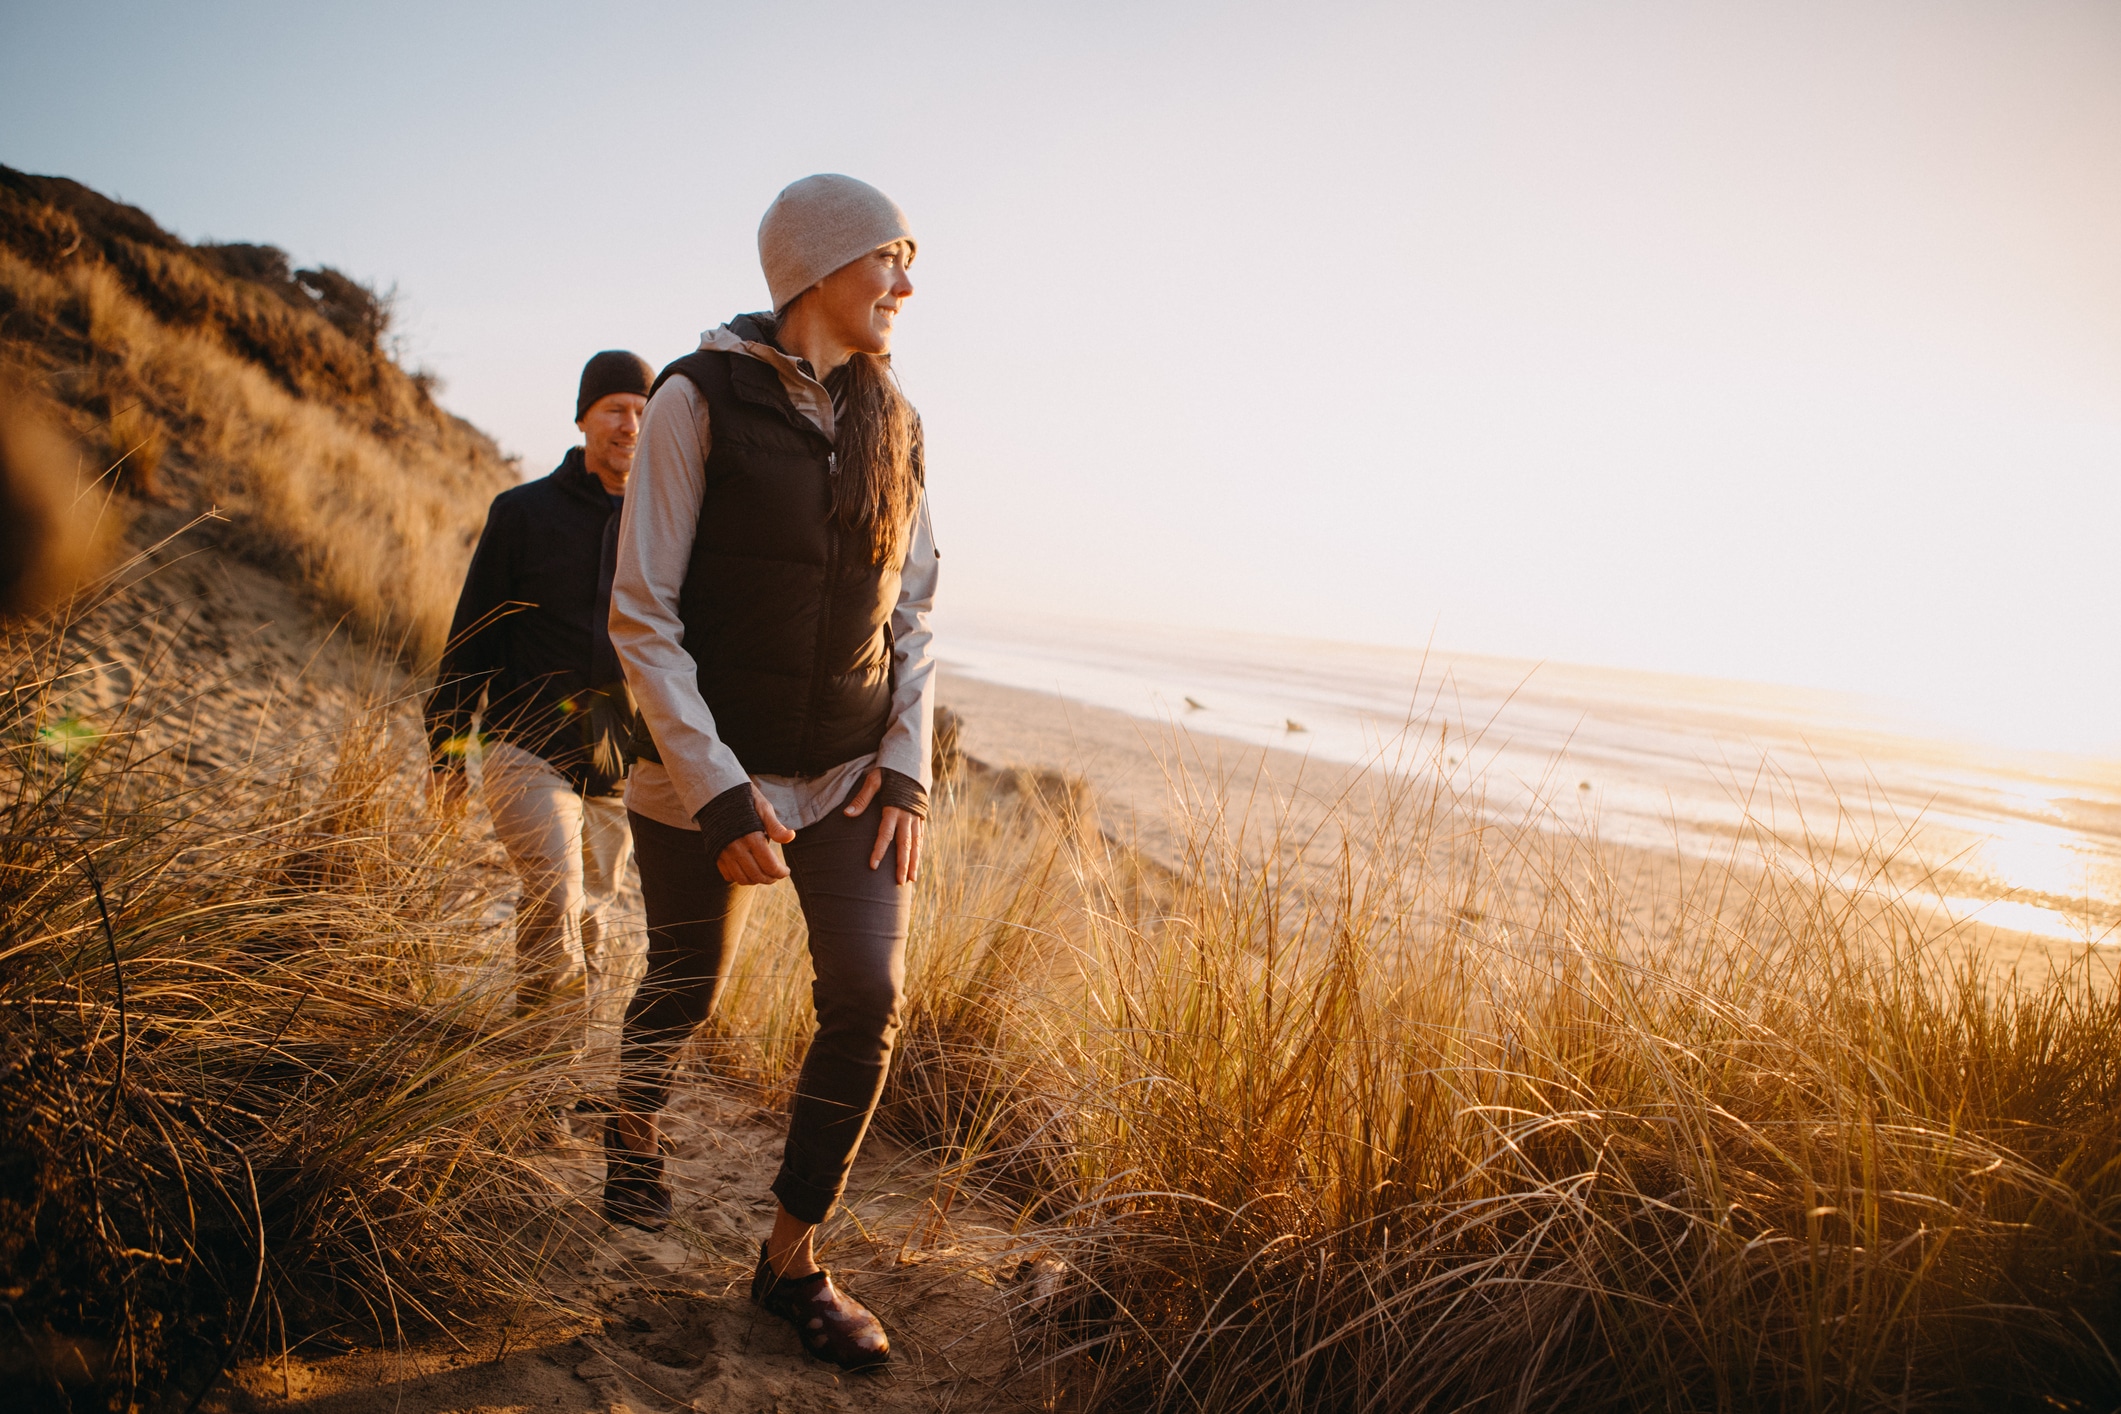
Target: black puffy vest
(789, 623)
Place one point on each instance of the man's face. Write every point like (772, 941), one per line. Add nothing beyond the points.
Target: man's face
(611, 434)
(860, 301)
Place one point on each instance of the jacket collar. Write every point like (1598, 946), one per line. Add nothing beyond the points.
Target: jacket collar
(572, 476)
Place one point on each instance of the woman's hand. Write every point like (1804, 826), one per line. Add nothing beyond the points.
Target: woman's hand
(752, 858)
(897, 825)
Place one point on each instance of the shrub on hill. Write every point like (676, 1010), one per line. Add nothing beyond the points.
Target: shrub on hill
(221, 377)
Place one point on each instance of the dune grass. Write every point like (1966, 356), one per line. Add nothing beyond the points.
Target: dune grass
(1431, 1118)
(247, 1100)
(1429, 1113)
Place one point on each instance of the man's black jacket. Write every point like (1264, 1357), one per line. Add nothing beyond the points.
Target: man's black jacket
(530, 635)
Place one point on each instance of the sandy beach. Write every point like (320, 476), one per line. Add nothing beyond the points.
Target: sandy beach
(1147, 776)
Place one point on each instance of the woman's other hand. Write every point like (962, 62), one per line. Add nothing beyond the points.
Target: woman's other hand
(896, 825)
(752, 858)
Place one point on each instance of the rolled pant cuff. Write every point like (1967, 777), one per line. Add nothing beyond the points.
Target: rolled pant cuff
(805, 1202)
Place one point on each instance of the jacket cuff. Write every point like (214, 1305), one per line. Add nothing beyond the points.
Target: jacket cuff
(902, 792)
(727, 818)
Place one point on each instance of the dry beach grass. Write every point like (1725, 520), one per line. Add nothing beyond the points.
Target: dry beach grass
(1232, 1141)
(238, 1105)
(1443, 1134)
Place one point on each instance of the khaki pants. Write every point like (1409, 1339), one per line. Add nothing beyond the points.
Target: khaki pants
(570, 853)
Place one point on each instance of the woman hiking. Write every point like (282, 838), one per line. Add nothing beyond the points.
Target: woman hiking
(770, 606)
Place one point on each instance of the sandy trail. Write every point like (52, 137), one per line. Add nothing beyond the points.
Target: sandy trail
(204, 652)
(645, 1322)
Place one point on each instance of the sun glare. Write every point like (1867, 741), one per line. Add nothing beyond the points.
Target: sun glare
(2030, 857)
(2032, 919)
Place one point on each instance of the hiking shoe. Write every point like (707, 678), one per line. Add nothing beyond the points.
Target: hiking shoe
(634, 1191)
(833, 1326)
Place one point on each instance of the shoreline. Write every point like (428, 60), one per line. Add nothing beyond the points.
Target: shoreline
(2024, 839)
(1143, 774)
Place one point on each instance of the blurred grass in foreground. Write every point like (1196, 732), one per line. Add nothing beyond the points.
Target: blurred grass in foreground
(241, 1103)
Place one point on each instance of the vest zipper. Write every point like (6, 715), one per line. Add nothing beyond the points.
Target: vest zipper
(824, 619)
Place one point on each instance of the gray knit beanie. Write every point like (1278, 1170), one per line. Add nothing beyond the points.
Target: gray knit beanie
(817, 225)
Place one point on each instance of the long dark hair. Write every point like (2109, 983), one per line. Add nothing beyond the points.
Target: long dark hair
(873, 440)
(874, 445)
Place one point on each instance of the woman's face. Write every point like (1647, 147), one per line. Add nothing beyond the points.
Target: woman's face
(858, 302)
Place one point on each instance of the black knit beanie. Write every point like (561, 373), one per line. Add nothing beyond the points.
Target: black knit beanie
(612, 371)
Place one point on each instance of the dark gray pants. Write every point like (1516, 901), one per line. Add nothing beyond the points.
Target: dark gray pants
(857, 919)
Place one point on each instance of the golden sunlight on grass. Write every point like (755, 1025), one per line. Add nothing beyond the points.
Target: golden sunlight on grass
(236, 1107)
(1440, 1123)
(1421, 1112)
(1407, 1109)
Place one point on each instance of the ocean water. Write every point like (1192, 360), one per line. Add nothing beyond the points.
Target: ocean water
(2021, 839)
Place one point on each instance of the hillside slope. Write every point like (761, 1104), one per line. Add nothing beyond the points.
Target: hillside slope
(220, 378)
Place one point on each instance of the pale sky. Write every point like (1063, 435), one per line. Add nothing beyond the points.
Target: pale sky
(1777, 341)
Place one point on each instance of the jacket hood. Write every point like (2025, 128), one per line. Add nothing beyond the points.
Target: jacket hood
(762, 328)
(755, 335)
(752, 336)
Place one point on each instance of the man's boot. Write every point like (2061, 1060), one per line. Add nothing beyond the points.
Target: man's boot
(634, 1191)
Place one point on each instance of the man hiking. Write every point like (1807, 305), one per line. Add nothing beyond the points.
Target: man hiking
(530, 676)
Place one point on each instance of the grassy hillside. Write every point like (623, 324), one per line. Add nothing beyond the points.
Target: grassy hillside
(220, 377)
